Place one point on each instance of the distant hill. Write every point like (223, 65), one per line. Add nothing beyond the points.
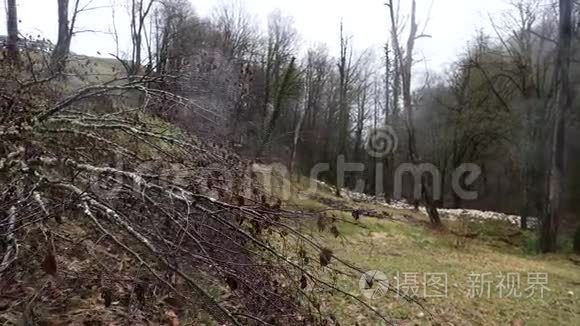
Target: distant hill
(40, 44)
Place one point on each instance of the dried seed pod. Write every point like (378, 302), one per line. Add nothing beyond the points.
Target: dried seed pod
(303, 282)
(49, 264)
(241, 220)
(107, 295)
(232, 283)
(325, 256)
(240, 200)
(140, 293)
(334, 231)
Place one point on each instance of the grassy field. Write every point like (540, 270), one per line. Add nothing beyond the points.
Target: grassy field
(493, 276)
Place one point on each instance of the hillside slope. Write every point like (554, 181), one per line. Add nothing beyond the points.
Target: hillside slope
(473, 272)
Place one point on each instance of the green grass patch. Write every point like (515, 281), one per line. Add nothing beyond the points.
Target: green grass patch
(407, 245)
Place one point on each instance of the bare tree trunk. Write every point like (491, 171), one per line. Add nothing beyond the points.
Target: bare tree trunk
(550, 222)
(65, 33)
(524, 212)
(282, 95)
(135, 37)
(374, 167)
(341, 105)
(139, 14)
(396, 85)
(62, 47)
(12, 28)
(360, 120)
(296, 138)
(406, 67)
(387, 188)
(344, 71)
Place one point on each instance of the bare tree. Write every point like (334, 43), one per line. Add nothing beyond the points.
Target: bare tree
(343, 107)
(297, 132)
(362, 111)
(280, 46)
(527, 41)
(140, 10)
(406, 66)
(395, 27)
(317, 74)
(65, 33)
(173, 36)
(286, 90)
(12, 28)
(550, 222)
(390, 115)
(387, 83)
(236, 29)
(348, 70)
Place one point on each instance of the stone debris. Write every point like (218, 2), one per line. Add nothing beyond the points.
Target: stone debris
(450, 214)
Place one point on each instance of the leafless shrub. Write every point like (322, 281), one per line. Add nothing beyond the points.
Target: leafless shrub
(185, 214)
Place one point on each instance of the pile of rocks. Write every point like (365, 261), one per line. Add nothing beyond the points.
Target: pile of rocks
(451, 214)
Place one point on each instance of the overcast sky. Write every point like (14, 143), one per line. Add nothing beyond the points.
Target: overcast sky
(452, 22)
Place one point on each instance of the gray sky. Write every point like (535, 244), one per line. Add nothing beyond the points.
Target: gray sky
(452, 22)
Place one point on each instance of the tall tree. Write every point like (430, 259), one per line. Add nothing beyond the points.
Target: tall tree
(348, 69)
(362, 113)
(527, 75)
(406, 67)
(342, 105)
(550, 222)
(297, 131)
(62, 47)
(387, 84)
(389, 121)
(286, 90)
(317, 76)
(175, 36)
(140, 10)
(280, 47)
(237, 30)
(12, 28)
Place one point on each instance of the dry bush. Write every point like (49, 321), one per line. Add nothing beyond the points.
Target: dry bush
(113, 216)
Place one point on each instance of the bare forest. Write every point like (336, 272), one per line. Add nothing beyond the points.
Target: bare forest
(222, 171)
